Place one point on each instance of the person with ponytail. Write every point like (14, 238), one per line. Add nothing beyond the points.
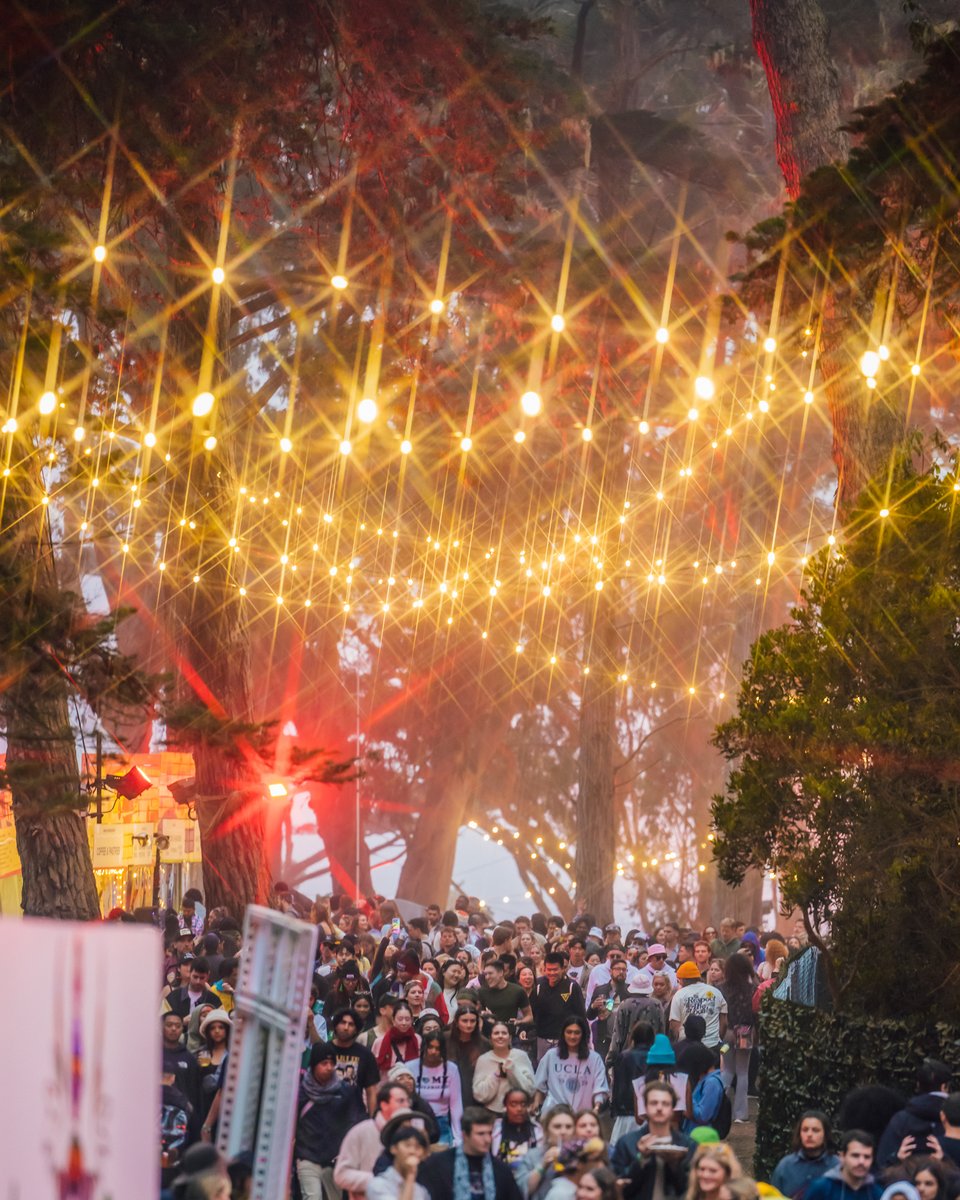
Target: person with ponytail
(438, 1083)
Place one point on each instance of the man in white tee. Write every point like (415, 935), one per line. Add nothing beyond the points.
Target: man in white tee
(696, 998)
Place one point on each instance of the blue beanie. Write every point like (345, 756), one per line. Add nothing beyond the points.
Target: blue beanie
(661, 1052)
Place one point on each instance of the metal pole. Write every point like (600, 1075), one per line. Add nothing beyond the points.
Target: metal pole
(356, 864)
(99, 737)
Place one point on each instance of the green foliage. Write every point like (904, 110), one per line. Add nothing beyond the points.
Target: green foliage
(844, 753)
(811, 1059)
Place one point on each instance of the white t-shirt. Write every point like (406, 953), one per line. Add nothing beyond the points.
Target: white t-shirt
(700, 1000)
(573, 1081)
(601, 975)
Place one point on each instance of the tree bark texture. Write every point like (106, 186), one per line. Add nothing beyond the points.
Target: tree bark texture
(790, 37)
(868, 424)
(214, 670)
(41, 761)
(596, 803)
(457, 769)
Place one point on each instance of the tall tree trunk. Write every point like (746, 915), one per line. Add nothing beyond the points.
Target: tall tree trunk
(868, 424)
(457, 768)
(214, 671)
(596, 803)
(790, 37)
(41, 761)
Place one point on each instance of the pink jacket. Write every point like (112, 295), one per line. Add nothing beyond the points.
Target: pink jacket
(360, 1150)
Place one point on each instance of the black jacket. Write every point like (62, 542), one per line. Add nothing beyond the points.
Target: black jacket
(436, 1175)
(919, 1119)
(642, 1174)
(179, 1001)
(552, 1005)
(323, 1120)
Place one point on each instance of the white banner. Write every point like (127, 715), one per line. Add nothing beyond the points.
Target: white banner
(80, 1104)
(108, 845)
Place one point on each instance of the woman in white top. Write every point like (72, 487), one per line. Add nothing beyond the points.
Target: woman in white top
(438, 1082)
(452, 979)
(501, 1069)
(570, 1072)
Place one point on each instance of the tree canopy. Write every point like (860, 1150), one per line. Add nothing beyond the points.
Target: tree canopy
(845, 750)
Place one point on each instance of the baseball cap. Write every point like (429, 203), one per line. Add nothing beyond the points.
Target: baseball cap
(688, 970)
(613, 927)
(596, 932)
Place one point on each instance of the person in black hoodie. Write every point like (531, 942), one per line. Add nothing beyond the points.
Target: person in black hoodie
(326, 1109)
(920, 1120)
(177, 1059)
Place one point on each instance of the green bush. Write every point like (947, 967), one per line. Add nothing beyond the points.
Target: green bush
(811, 1059)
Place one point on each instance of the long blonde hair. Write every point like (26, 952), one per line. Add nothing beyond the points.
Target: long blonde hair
(724, 1156)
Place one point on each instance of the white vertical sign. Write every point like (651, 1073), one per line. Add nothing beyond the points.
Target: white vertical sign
(259, 1103)
(80, 1101)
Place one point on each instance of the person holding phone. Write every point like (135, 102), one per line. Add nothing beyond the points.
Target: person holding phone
(603, 1007)
(501, 1070)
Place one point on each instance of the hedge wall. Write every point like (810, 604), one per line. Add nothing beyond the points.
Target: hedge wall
(811, 1059)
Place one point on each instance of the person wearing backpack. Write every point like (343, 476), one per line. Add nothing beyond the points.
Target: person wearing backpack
(708, 1102)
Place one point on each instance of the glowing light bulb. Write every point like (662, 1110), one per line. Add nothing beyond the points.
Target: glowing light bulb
(48, 402)
(218, 275)
(437, 306)
(149, 439)
(367, 410)
(466, 443)
(520, 437)
(662, 335)
(871, 382)
(586, 433)
(869, 363)
(10, 425)
(770, 344)
(557, 323)
(693, 414)
(209, 442)
(915, 369)
(703, 387)
(79, 433)
(883, 353)
(340, 282)
(406, 446)
(884, 512)
(808, 397)
(286, 445)
(771, 558)
(99, 253)
(531, 403)
(644, 427)
(764, 405)
(345, 447)
(203, 404)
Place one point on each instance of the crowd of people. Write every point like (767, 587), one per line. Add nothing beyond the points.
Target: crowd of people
(449, 1057)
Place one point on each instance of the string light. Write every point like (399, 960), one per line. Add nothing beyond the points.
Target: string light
(704, 388)
(47, 403)
(203, 404)
(99, 253)
(662, 335)
(339, 282)
(531, 403)
(367, 410)
(557, 323)
(218, 275)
